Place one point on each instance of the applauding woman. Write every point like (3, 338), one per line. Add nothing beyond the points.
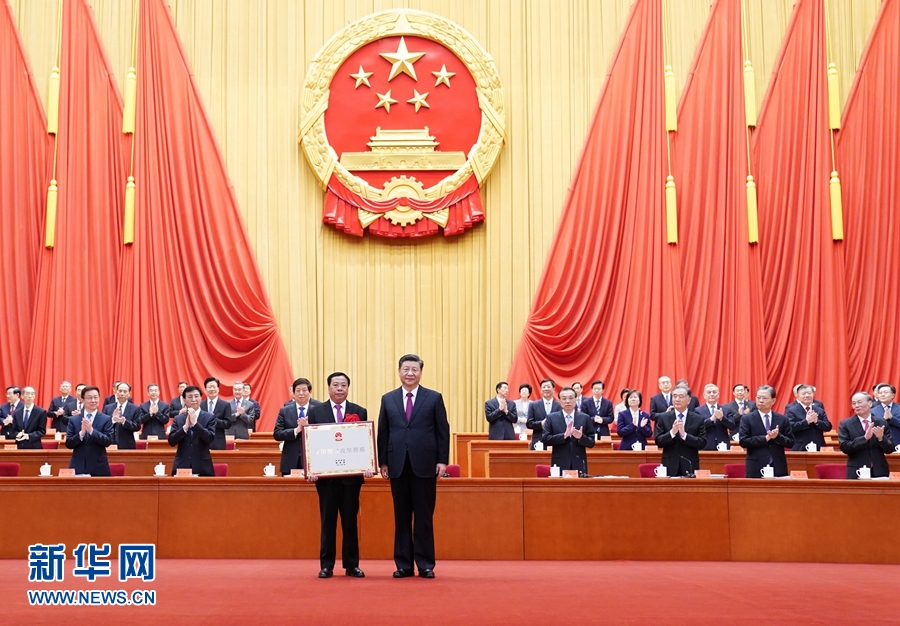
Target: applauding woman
(633, 424)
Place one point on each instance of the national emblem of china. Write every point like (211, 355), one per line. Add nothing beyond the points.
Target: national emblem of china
(402, 119)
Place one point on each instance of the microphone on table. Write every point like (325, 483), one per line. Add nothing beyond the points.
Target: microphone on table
(691, 473)
(583, 473)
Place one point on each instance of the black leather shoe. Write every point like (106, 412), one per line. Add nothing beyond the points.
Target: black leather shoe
(325, 573)
(355, 572)
(403, 573)
(426, 573)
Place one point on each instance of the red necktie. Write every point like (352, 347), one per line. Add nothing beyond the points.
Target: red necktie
(409, 405)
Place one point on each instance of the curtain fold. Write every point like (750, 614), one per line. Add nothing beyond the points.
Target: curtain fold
(194, 304)
(868, 156)
(720, 270)
(25, 151)
(802, 284)
(609, 300)
(72, 330)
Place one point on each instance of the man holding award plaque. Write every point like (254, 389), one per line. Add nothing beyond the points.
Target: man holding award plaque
(341, 493)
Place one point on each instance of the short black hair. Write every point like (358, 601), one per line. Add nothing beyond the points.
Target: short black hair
(500, 384)
(335, 375)
(15, 390)
(410, 357)
(189, 389)
(888, 385)
(212, 379)
(152, 385)
(87, 389)
(298, 382)
(526, 386)
(122, 382)
(639, 395)
(598, 382)
(566, 389)
(768, 388)
(548, 380)
(746, 388)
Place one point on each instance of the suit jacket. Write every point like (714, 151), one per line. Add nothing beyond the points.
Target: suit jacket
(292, 449)
(501, 424)
(537, 414)
(761, 452)
(425, 438)
(323, 413)
(803, 431)
(154, 424)
(242, 423)
(224, 418)
(124, 432)
(68, 405)
(862, 453)
(658, 405)
(8, 431)
(112, 399)
(630, 432)
(194, 445)
(568, 453)
(680, 456)
(35, 428)
(717, 430)
(749, 405)
(175, 407)
(893, 419)
(89, 454)
(589, 408)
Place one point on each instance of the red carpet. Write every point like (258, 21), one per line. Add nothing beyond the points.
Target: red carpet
(479, 592)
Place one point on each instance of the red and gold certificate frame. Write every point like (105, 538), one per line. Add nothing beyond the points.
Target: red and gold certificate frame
(402, 119)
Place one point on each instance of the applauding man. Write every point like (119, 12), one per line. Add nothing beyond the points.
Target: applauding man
(193, 432)
(88, 435)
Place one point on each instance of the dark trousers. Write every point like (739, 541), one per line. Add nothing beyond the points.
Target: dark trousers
(337, 496)
(414, 500)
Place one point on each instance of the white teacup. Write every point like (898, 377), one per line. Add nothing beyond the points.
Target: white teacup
(539, 446)
(269, 470)
(864, 473)
(58, 437)
(811, 447)
(660, 471)
(897, 448)
(45, 469)
(523, 436)
(636, 446)
(767, 472)
(722, 446)
(554, 471)
(159, 470)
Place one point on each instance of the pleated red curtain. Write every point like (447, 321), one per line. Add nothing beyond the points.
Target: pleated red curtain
(24, 176)
(194, 303)
(723, 324)
(609, 302)
(802, 283)
(74, 314)
(868, 154)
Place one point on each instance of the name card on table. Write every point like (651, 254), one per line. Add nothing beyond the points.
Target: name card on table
(152, 438)
(651, 449)
(298, 473)
(66, 471)
(799, 475)
(826, 449)
(570, 473)
(703, 474)
(9, 446)
(184, 471)
(112, 447)
(895, 476)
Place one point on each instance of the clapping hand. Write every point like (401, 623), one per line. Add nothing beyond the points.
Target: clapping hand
(878, 431)
(86, 427)
(718, 414)
(811, 416)
(576, 432)
(772, 434)
(117, 416)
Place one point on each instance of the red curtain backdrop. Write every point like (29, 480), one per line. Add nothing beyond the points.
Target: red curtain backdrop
(723, 324)
(72, 332)
(193, 301)
(869, 165)
(609, 302)
(802, 268)
(24, 176)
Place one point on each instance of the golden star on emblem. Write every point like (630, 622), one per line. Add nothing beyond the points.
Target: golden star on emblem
(361, 77)
(418, 99)
(443, 76)
(402, 60)
(385, 100)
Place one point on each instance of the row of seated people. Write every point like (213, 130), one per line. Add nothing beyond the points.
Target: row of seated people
(681, 430)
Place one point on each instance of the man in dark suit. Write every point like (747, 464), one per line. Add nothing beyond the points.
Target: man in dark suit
(540, 409)
(257, 411)
(289, 424)
(662, 401)
(501, 415)
(681, 435)
(243, 412)
(113, 397)
(339, 494)
(30, 422)
(413, 450)
(740, 406)
(579, 399)
(569, 432)
(193, 432)
(765, 434)
(717, 419)
(221, 409)
(808, 419)
(126, 417)
(61, 406)
(887, 409)
(176, 405)
(154, 414)
(865, 439)
(88, 436)
(8, 411)
(599, 409)
(693, 403)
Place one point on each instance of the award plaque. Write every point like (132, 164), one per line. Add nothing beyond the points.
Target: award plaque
(346, 449)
